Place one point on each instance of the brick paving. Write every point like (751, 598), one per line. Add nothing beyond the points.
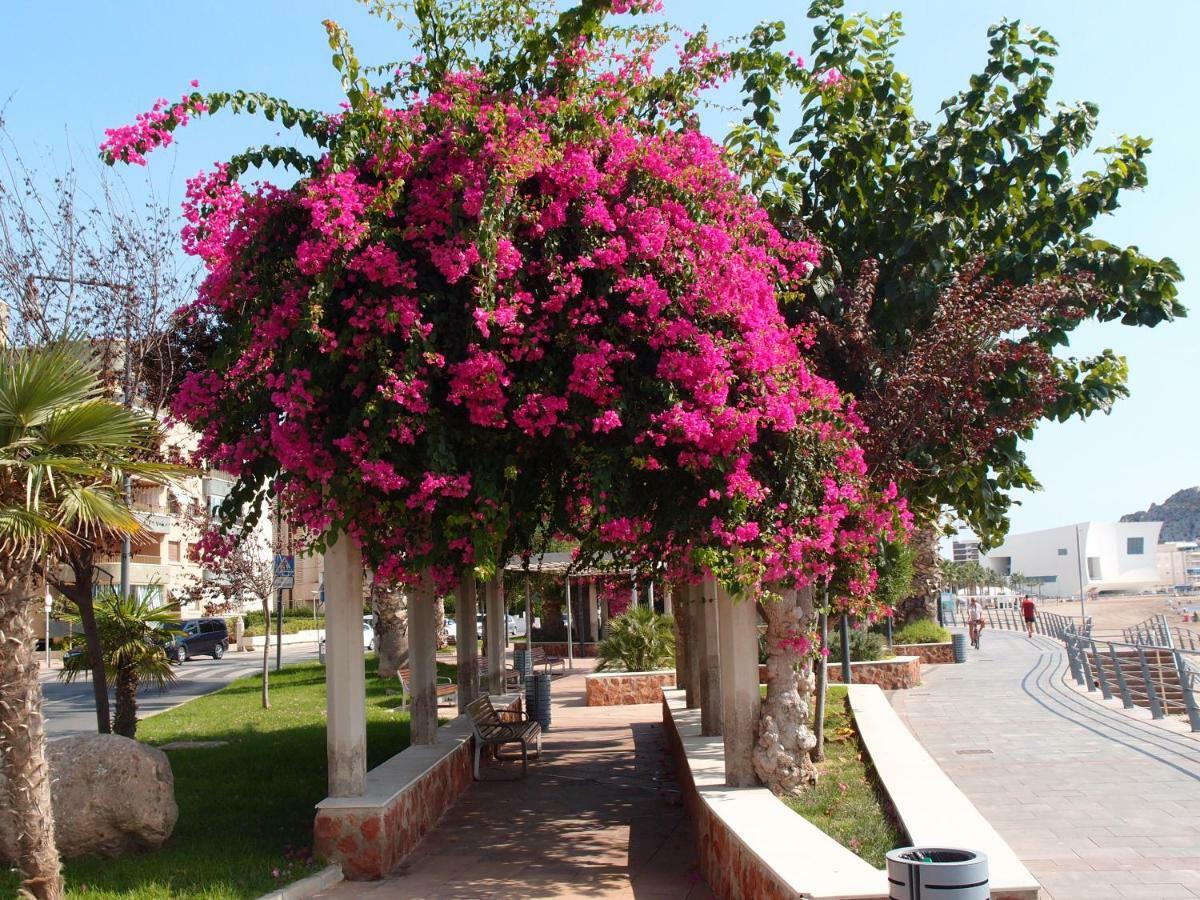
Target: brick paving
(1096, 803)
(598, 817)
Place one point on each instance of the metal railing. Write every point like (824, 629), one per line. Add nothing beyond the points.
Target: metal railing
(1165, 680)
(1156, 631)
(1049, 624)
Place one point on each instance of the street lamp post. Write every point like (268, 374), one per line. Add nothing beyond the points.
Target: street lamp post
(1082, 599)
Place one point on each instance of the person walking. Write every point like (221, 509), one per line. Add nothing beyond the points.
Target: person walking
(1028, 613)
(974, 621)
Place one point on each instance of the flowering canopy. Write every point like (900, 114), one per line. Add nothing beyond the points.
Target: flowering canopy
(497, 317)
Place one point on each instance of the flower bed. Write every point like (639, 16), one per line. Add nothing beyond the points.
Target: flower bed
(624, 688)
(897, 673)
(930, 654)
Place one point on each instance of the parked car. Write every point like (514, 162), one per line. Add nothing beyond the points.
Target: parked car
(451, 631)
(368, 636)
(201, 637)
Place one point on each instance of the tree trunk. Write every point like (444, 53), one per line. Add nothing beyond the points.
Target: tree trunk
(554, 626)
(922, 603)
(781, 756)
(82, 561)
(440, 635)
(125, 718)
(23, 739)
(266, 689)
(390, 605)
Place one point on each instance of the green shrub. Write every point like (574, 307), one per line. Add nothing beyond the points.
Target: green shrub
(865, 646)
(639, 641)
(921, 631)
(290, 626)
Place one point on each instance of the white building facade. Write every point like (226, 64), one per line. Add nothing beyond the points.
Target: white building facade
(1099, 556)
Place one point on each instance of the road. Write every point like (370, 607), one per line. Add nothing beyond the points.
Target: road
(69, 708)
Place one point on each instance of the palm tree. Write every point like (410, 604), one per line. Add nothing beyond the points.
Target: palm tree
(639, 641)
(133, 632)
(63, 450)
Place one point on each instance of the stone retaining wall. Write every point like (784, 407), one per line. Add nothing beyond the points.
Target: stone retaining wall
(931, 654)
(404, 799)
(893, 674)
(624, 688)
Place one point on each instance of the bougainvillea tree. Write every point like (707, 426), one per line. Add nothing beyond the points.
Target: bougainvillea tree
(483, 316)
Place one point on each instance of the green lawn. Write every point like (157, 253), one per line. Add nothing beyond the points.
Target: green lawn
(845, 802)
(245, 809)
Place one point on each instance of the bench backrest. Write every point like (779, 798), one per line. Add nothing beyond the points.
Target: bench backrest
(484, 718)
(537, 655)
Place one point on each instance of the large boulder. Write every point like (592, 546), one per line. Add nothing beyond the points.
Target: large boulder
(111, 796)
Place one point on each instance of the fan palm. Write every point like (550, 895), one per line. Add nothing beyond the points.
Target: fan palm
(639, 641)
(64, 448)
(133, 632)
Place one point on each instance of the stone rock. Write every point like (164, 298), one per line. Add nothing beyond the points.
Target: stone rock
(111, 796)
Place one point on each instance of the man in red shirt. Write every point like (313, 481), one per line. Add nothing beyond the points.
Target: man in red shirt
(1028, 612)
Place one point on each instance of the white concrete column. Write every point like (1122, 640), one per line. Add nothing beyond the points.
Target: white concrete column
(497, 633)
(345, 675)
(594, 609)
(739, 686)
(668, 600)
(709, 644)
(422, 656)
(466, 643)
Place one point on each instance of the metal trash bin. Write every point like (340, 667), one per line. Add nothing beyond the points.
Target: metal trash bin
(959, 642)
(537, 698)
(937, 873)
(523, 661)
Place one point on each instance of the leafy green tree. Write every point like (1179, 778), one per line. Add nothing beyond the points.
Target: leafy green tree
(63, 450)
(915, 205)
(133, 632)
(641, 640)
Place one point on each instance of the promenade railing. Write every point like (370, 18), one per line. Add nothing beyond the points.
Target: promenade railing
(1164, 680)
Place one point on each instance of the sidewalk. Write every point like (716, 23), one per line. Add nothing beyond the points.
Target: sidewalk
(1096, 804)
(598, 817)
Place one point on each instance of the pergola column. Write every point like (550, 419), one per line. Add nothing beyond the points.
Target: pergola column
(682, 627)
(709, 645)
(345, 674)
(422, 656)
(739, 686)
(668, 600)
(497, 633)
(594, 609)
(467, 642)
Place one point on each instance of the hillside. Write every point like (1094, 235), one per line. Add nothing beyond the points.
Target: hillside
(1179, 513)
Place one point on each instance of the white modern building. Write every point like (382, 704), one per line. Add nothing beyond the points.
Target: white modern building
(1099, 556)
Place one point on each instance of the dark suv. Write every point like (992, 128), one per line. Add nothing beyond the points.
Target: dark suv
(201, 637)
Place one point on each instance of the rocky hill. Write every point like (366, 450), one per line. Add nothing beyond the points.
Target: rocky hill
(1179, 513)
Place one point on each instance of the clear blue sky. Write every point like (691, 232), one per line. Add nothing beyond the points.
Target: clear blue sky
(70, 70)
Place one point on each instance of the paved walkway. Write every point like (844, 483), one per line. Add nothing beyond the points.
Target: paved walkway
(598, 817)
(1096, 803)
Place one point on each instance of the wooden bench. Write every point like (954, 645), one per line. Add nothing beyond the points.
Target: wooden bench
(445, 687)
(491, 731)
(512, 678)
(539, 657)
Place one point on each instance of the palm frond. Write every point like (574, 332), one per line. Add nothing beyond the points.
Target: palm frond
(91, 509)
(35, 382)
(27, 529)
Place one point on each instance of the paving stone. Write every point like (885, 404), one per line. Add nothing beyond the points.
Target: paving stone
(1096, 803)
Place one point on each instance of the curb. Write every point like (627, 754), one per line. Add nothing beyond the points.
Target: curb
(306, 887)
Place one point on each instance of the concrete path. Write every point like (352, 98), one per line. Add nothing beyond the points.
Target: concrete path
(598, 817)
(70, 709)
(1095, 803)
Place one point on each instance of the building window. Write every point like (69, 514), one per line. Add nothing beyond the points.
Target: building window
(1135, 546)
(1062, 551)
(174, 551)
